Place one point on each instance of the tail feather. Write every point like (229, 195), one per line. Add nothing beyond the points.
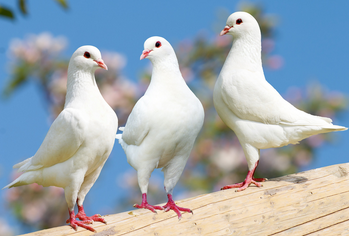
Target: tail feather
(19, 165)
(321, 130)
(332, 128)
(25, 178)
(119, 136)
(121, 141)
(326, 119)
(27, 165)
(13, 184)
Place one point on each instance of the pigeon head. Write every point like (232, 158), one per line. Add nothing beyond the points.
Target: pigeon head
(87, 58)
(241, 24)
(157, 48)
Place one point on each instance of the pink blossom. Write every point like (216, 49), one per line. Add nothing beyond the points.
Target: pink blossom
(316, 140)
(268, 45)
(275, 62)
(222, 41)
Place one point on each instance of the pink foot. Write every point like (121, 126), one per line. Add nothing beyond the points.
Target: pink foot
(75, 223)
(171, 205)
(145, 204)
(248, 181)
(82, 216)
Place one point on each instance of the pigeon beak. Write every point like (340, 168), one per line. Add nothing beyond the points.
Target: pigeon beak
(225, 30)
(145, 53)
(101, 64)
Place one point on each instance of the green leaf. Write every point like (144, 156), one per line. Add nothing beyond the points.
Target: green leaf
(19, 77)
(23, 7)
(63, 3)
(6, 12)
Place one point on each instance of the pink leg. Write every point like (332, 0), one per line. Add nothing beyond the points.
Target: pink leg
(145, 204)
(74, 223)
(249, 180)
(171, 205)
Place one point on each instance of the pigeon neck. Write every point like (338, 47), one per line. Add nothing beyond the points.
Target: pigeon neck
(168, 63)
(166, 76)
(81, 84)
(166, 68)
(246, 53)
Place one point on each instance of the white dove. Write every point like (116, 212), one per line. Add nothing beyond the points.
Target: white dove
(78, 142)
(163, 125)
(251, 107)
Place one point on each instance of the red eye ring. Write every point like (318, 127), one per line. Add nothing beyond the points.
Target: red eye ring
(238, 21)
(158, 44)
(87, 55)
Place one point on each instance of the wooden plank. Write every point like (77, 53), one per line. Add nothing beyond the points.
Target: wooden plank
(312, 202)
(341, 228)
(321, 223)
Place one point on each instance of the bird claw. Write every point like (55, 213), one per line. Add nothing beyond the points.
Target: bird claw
(149, 207)
(145, 205)
(90, 220)
(243, 185)
(74, 224)
(171, 205)
(248, 181)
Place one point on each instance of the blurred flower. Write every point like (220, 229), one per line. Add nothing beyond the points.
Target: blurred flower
(36, 47)
(272, 160)
(303, 158)
(222, 42)
(115, 61)
(37, 207)
(127, 179)
(217, 158)
(268, 45)
(5, 229)
(275, 62)
(228, 158)
(316, 140)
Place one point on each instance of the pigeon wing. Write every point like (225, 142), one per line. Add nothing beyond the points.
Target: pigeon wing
(254, 99)
(137, 127)
(63, 139)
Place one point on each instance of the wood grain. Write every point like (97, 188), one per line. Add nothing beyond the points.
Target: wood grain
(314, 202)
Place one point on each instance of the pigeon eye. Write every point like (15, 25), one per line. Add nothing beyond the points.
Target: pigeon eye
(87, 55)
(238, 21)
(158, 44)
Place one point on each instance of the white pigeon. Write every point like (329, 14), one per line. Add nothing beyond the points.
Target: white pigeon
(163, 125)
(251, 107)
(78, 142)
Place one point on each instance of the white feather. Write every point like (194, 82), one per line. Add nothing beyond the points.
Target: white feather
(79, 141)
(249, 105)
(162, 127)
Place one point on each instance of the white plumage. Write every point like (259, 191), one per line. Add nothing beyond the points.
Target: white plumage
(250, 106)
(78, 142)
(162, 127)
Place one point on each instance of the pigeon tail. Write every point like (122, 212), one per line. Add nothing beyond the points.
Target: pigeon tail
(27, 165)
(328, 120)
(19, 165)
(119, 136)
(13, 184)
(24, 179)
(121, 141)
(332, 128)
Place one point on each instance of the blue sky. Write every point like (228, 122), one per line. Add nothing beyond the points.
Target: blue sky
(311, 37)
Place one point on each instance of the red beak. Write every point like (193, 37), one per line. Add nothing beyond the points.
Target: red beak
(101, 64)
(145, 53)
(225, 30)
